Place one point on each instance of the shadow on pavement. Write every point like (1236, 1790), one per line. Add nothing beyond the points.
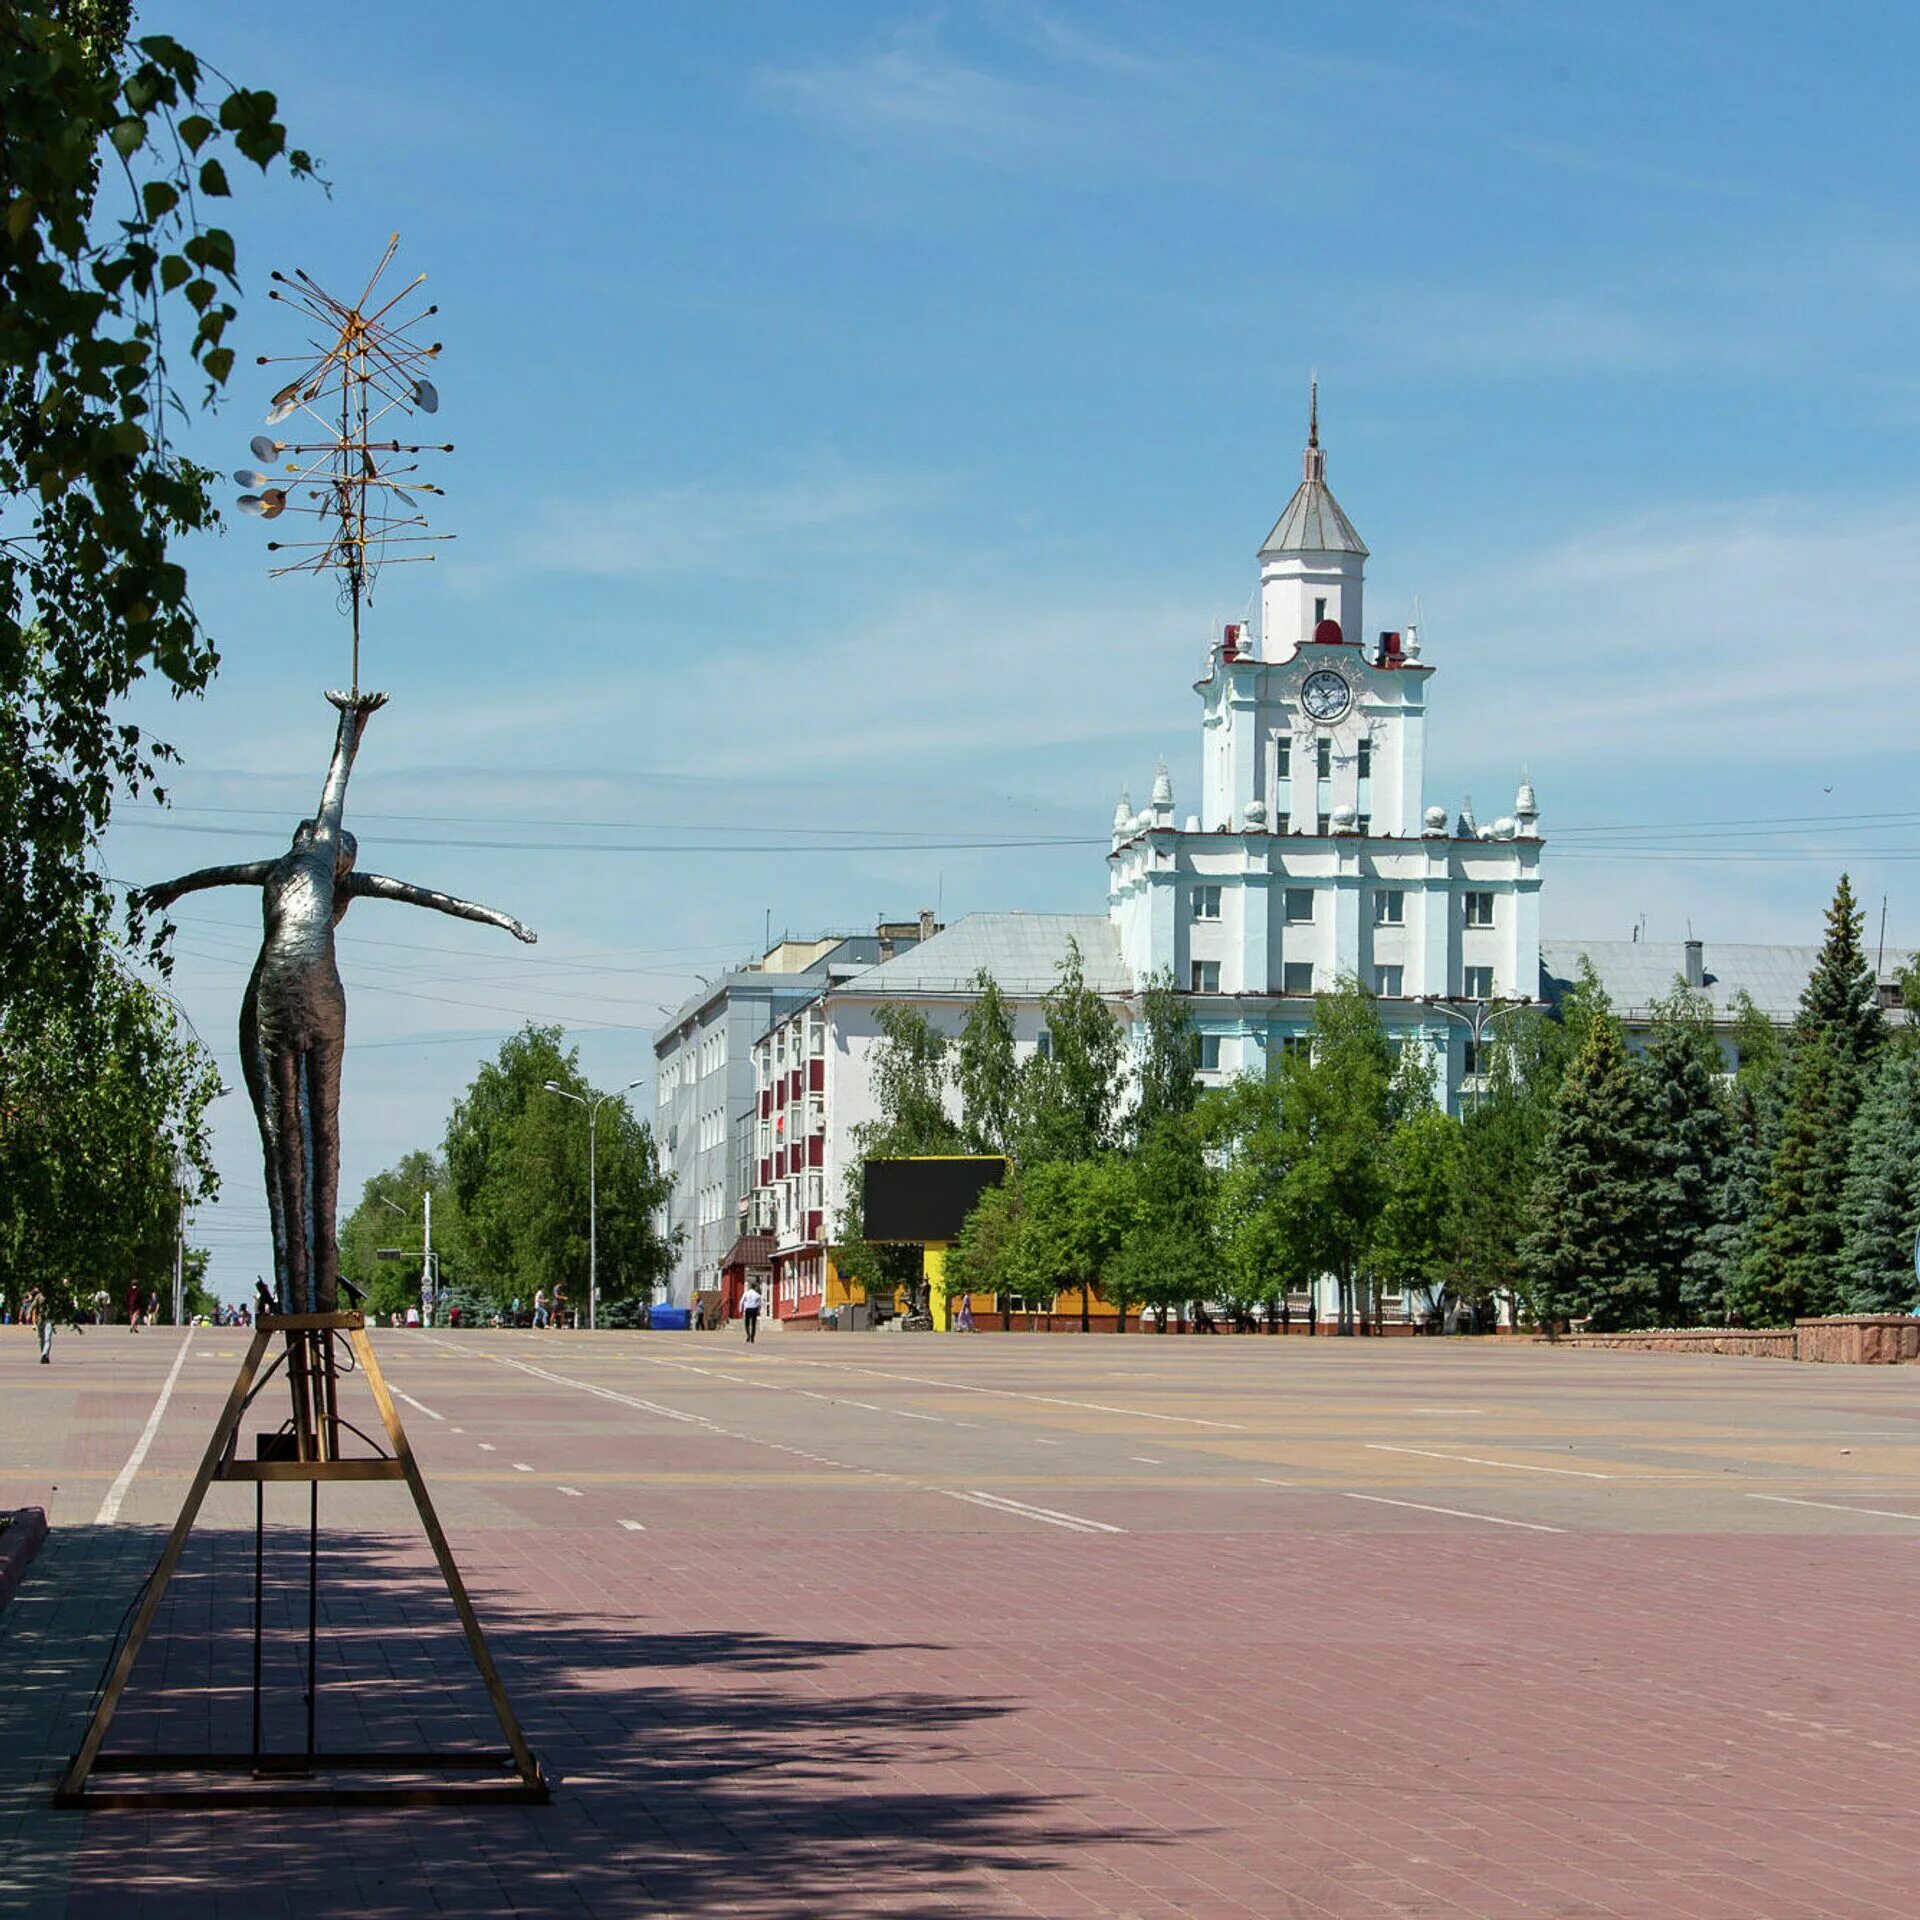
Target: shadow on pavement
(693, 1771)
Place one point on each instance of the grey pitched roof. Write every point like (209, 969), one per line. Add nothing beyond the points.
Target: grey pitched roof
(1313, 523)
(1636, 973)
(1023, 952)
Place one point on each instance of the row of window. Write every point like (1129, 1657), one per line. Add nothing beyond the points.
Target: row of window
(1389, 906)
(1206, 1050)
(712, 1130)
(1322, 758)
(1296, 978)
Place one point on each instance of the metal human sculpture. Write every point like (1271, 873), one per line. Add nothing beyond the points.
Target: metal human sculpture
(293, 1019)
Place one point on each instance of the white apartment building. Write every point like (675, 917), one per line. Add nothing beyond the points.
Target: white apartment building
(704, 1086)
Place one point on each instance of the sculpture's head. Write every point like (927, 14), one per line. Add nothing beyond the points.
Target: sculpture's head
(346, 848)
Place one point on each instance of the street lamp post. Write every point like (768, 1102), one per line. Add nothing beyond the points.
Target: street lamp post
(1477, 1017)
(593, 1107)
(429, 1260)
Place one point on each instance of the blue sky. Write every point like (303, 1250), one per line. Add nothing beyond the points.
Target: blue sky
(863, 414)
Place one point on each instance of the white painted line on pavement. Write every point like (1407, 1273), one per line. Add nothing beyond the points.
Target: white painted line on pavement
(487, 1446)
(1512, 1466)
(1420, 1506)
(416, 1405)
(110, 1506)
(520, 1466)
(1143, 1460)
(456, 1429)
(633, 1526)
(573, 1493)
(1833, 1506)
(1075, 1522)
(934, 1417)
(1262, 1479)
(1017, 1393)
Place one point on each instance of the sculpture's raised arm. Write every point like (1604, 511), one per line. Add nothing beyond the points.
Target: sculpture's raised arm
(377, 886)
(252, 874)
(354, 712)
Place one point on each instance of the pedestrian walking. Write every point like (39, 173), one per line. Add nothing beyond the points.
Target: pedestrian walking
(539, 1306)
(559, 1315)
(135, 1301)
(964, 1321)
(750, 1310)
(40, 1316)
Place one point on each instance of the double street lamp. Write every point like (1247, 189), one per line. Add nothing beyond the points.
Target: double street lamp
(593, 1107)
(1477, 1016)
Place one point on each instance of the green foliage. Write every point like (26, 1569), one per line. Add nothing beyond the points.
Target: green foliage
(1880, 1199)
(1336, 1109)
(1259, 1262)
(986, 1072)
(907, 1073)
(1789, 1266)
(1840, 1000)
(516, 1157)
(1587, 1253)
(1688, 1142)
(1418, 1242)
(103, 1098)
(1168, 1085)
(109, 154)
(1168, 1253)
(1070, 1097)
(391, 1214)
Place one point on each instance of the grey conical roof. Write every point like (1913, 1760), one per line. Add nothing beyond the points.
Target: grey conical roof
(1313, 521)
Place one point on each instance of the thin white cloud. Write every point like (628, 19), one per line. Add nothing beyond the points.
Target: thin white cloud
(693, 527)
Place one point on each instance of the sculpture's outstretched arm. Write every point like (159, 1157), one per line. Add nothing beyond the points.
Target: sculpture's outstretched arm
(253, 874)
(376, 886)
(354, 712)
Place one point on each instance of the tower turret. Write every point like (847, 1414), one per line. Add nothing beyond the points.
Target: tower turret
(1313, 563)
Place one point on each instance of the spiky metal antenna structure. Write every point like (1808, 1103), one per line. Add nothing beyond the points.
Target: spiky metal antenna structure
(363, 375)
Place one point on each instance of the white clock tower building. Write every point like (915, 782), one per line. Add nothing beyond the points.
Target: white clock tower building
(1313, 857)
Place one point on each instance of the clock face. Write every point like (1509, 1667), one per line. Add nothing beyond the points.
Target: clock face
(1325, 696)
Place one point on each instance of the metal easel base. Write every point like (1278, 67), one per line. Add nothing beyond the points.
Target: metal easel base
(310, 1453)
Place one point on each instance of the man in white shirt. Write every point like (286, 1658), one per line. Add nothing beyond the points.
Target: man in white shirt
(750, 1310)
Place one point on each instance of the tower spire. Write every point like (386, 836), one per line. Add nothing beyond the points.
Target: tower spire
(1313, 463)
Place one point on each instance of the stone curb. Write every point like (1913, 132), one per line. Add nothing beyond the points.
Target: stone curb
(18, 1544)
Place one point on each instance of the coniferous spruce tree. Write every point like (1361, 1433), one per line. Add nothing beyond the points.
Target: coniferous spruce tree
(1754, 1103)
(1880, 1199)
(1687, 1143)
(1591, 1205)
(1840, 999)
(1789, 1267)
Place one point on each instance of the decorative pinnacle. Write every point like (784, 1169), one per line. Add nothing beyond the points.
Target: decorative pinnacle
(1313, 463)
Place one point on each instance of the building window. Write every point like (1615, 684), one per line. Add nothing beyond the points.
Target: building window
(1470, 1059)
(1296, 977)
(1323, 763)
(1479, 983)
(1319, 609)
(1207, 1052)
(1283, 823)
(1206, 903)
(1043, 1044)
(1390, 907)
(1299, 906)
(1479, 909)
(1284, 764)
(1206, 976)
(1363, 823)
(1388, 981)
(1324, 825)
(1366, 759)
